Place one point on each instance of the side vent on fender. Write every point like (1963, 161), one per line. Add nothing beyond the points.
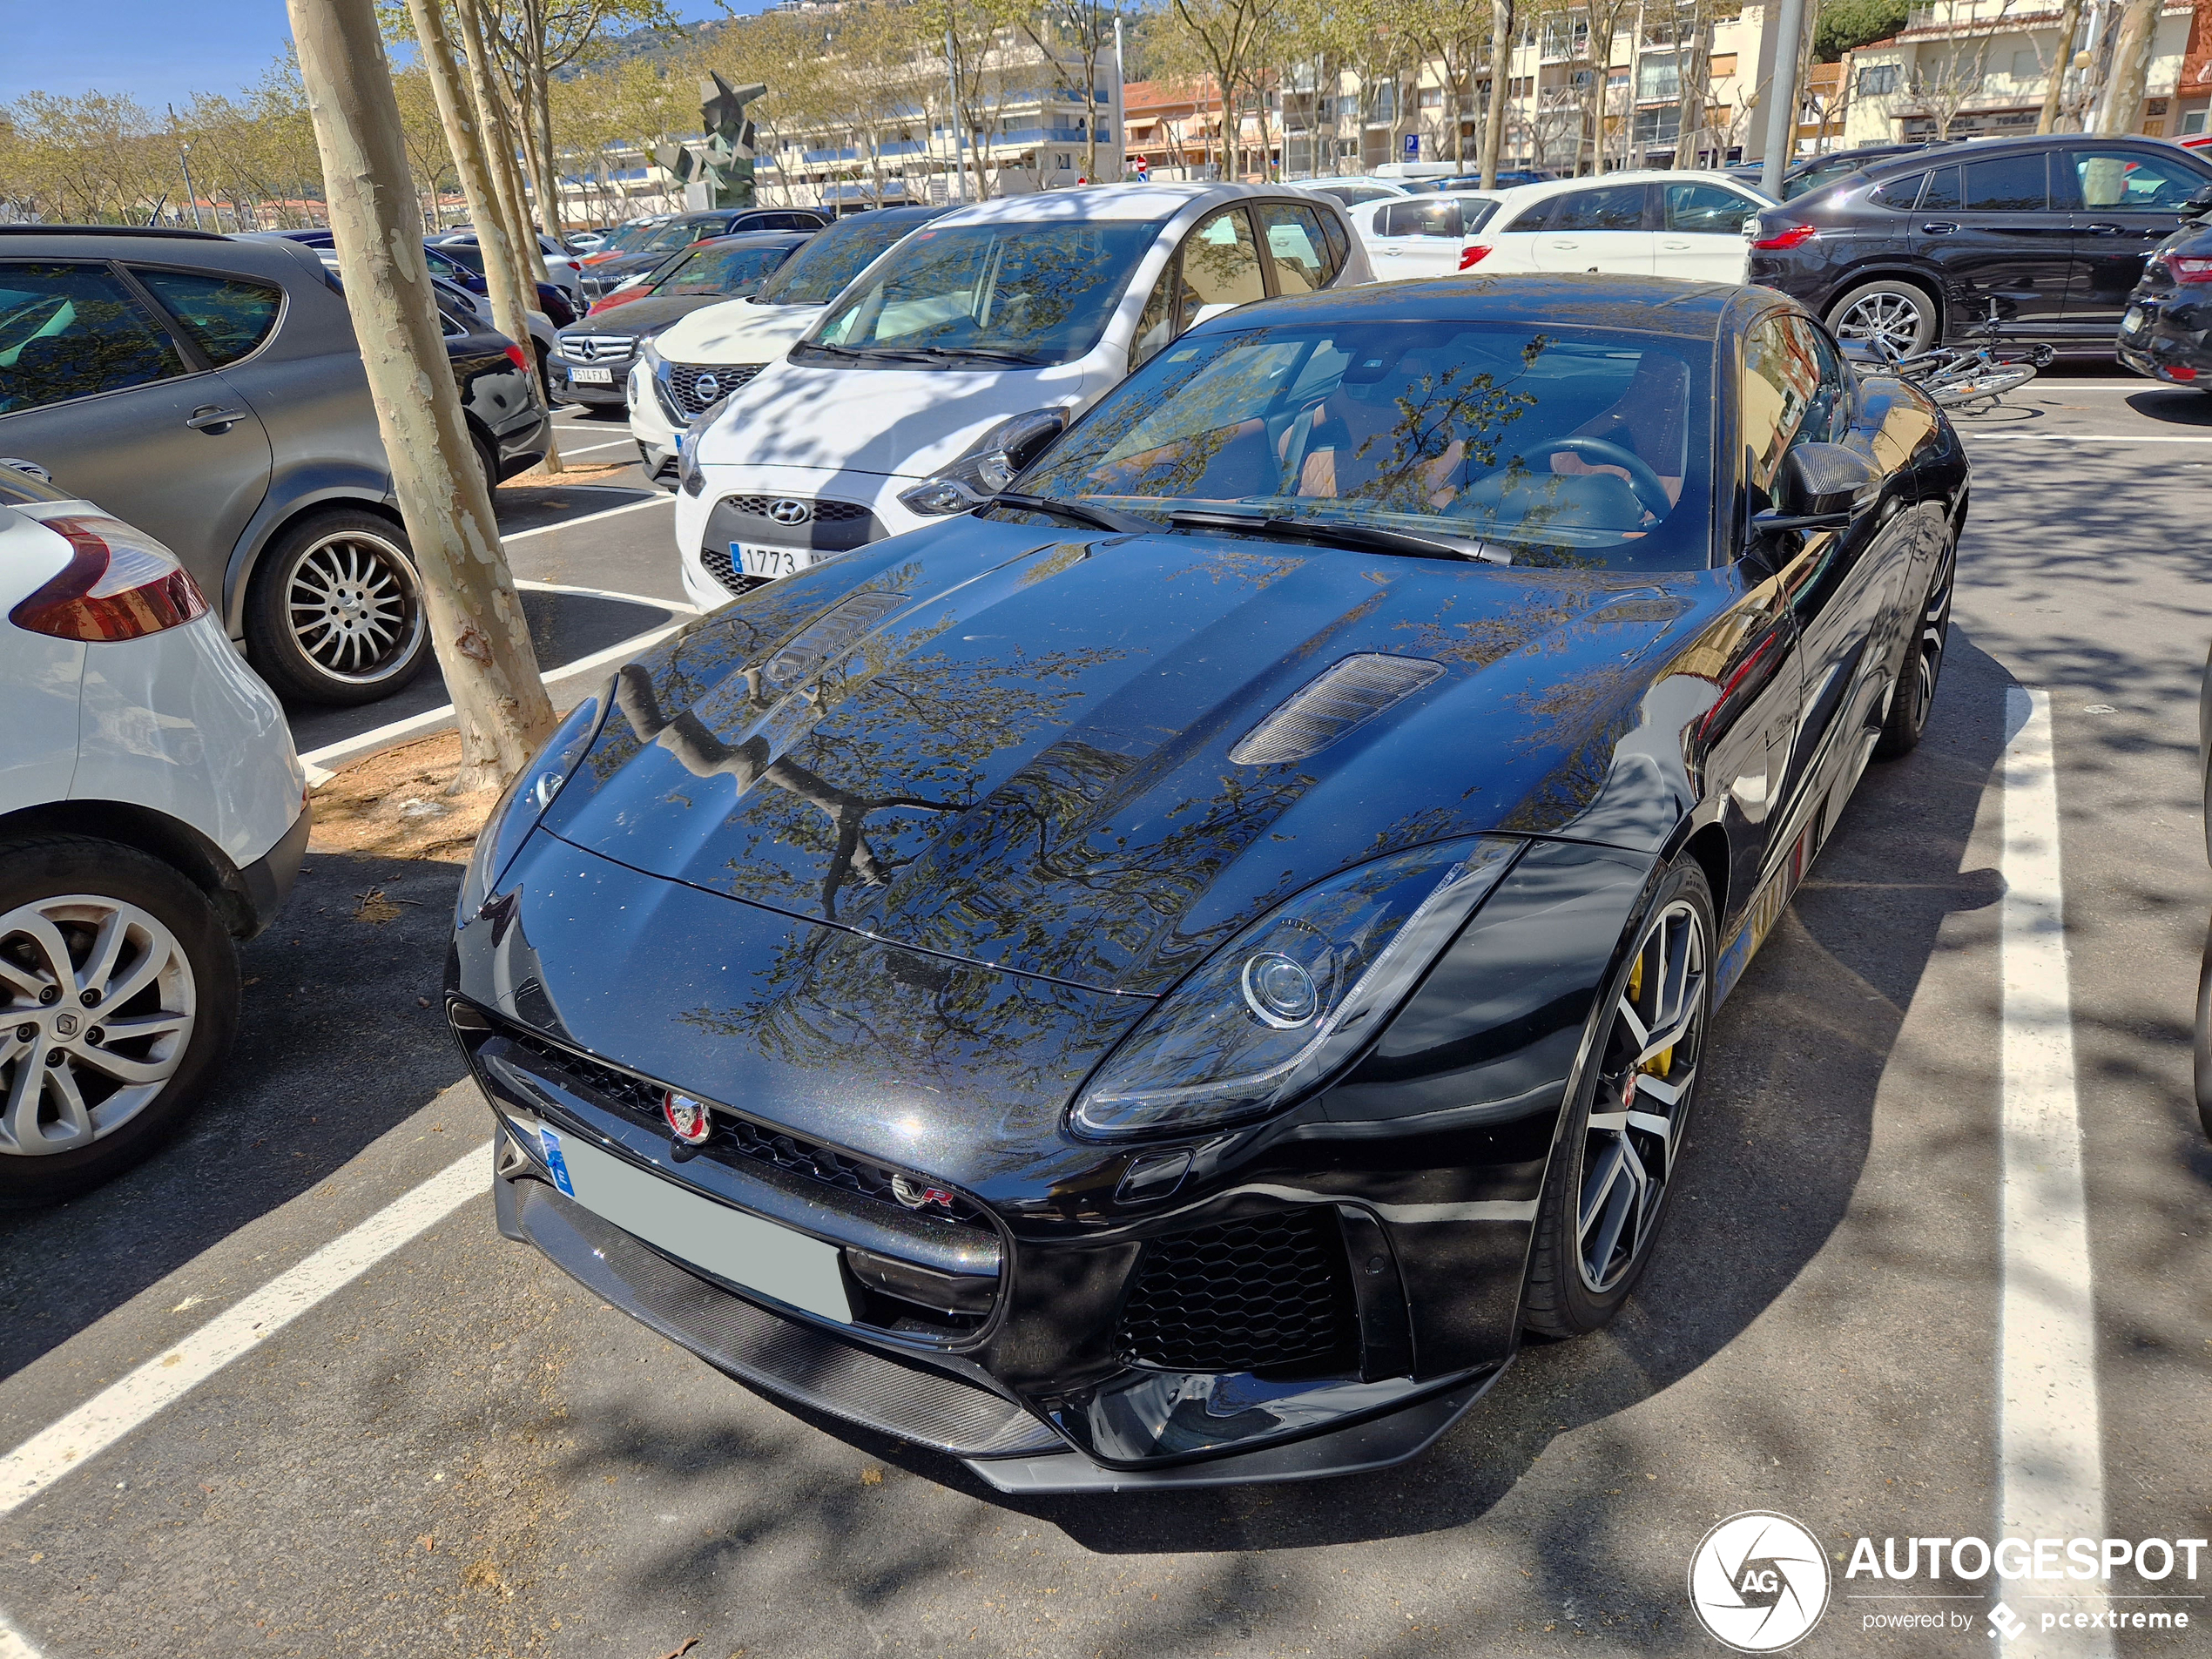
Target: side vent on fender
(1349, 694)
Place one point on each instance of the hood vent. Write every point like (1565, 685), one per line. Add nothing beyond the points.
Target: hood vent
(1349, 694)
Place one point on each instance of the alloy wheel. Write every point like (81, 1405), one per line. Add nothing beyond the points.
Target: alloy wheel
(97, 1008)
(1935, 629)
(1641, 1112)
(354, 606)
(1890, 320)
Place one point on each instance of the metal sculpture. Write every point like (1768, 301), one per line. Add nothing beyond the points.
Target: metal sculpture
(717, 172)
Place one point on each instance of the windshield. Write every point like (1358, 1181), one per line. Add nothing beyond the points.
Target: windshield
(1026, 292)
(667, 238)
(624, 240)
(818, 273)
(719, 270)
(1563, 447)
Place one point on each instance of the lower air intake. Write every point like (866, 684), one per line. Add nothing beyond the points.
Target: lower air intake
(1267, 1294)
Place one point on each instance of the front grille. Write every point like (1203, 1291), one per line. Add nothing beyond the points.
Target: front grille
(1265, 1294)
(720, 567)
(826, 527)
(596, 349)
(740, 1140)
(683, 384)
(825, 512)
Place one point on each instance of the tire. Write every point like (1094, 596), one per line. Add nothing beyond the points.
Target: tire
(1958, 390)
(335, 613)
(488, 458)
(1915, 695)
(1601, 1204)
(544, 373)
(1900, 315)
(85, 1123)
(2203, 1043)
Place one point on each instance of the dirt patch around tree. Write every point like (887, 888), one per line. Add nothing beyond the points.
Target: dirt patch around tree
(394, 804)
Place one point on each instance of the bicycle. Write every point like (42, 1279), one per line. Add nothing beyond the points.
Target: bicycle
(1957, 377)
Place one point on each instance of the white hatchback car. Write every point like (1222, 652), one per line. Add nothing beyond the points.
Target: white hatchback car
(961, 352)
(151, 810)
(1424, 236)
(1688, 225)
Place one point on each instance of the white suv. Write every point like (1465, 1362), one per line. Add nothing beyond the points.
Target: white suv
(151, 810)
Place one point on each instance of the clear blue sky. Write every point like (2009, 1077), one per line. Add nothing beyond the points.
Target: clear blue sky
(156, 50)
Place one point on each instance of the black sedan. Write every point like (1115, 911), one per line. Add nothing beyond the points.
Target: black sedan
(596, 354)
(2167, 333)
(1162, 979)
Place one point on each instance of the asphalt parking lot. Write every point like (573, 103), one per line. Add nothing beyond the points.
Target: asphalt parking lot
(454, 1450)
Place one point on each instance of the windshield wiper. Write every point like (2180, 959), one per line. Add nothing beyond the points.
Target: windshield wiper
(994, 353)
(1333, 532)
(1103, 518)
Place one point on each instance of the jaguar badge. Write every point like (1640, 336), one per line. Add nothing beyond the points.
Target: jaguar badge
(689, 1120)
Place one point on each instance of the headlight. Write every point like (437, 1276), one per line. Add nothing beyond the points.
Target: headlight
(648, 351)
(988, 466)
(526, 799)
(1291, 998)
(688, 475)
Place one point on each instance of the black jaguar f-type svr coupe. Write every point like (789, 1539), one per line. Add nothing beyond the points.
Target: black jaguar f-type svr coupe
(1161, 978)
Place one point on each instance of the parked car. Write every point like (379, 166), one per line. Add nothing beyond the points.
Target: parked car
(582, 242)
(1474, 180)
(468, 274)
(689, 367)
(1422, 236)
(1159, 982)
(210, 391)
(596, 354)
(976, 338)
(562, 267)
(1355, 191)
(2048, 235)
(1687, 224)
(475, 309)
(612, 266)
(1805, 177)
(151, 811)
(2167, 330)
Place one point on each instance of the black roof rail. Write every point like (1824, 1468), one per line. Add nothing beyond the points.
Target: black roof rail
(112, 230)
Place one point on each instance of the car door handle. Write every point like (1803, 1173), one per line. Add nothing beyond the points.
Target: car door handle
(2102, 230)
(1676, 247)
(1939, 227)
(209, 419)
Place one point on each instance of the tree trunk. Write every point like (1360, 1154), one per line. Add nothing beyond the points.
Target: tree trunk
(476, 622)
(1689, 65)
(2131, 53)
(1494, 117)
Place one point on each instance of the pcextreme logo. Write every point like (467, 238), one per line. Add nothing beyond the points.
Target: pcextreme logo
(1758, 1582)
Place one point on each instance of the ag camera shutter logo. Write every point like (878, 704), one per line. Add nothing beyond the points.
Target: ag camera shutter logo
(1758, 1582)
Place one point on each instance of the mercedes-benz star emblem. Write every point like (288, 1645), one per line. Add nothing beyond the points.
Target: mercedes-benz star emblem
(790, 512)
(707, 387)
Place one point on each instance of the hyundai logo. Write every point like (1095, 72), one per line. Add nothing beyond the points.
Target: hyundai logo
(707, 387)
(790, 512)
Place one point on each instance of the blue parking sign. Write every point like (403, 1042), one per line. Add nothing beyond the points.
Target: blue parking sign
(1413, 147)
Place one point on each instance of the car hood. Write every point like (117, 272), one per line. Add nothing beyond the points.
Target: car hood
(643, 316)
(892, 421)
(995, 743)
(737, 331)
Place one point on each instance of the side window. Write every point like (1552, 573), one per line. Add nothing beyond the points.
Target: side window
(1294, 243)
(72, 331)
(227, 317)
(2128, 181)
(1897, 194)
(2007, 184)
(1828, 416)
(1781, 384)
(1220, 267)
(1336, 239)
(1419, 217)
(1155, 324)
(1942, 194)
(1613, 207)
(1706, 210)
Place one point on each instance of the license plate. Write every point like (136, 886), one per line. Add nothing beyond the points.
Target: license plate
(2133, 321)
(593, 376)
(743, 1249)
(771, 561)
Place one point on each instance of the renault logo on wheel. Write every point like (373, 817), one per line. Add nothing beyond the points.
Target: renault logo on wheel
(1758, 1582)
(790, 512)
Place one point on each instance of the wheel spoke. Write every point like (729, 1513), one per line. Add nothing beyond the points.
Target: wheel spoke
(123, 1071)
(75, 1121)
(142, 1025)
(153, 957)
(42, 933)
(19, 1119)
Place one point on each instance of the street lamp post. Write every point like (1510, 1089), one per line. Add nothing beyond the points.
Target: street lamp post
(1782, 90)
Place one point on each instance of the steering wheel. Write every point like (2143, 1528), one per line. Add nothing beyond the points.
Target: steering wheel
(1650, 494)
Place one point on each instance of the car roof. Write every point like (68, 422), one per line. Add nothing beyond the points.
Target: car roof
(150, 233)
(274, 257)
(1623, 304)
(1146, 204)
(754, 239)
(907, 213)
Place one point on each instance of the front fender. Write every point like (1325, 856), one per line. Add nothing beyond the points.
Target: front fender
(293, 491)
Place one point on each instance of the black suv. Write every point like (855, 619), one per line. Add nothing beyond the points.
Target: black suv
(2047, 235)
(208, 389)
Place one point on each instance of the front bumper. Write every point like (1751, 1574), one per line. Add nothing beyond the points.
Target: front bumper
(734, 510)
(2172, 343)
(606, 397)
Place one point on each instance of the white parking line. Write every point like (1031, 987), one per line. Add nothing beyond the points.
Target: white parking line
(2051, 1461)
(115, 1411)
(621, 443)
(2088, 437)
(588, 518)
(13, 1643)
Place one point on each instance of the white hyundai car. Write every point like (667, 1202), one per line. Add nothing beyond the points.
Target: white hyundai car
(151, 811)
(959, 354)
(1688, 225)
(684, 370)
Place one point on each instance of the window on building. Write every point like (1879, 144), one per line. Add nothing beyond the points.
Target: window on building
(1658, 75)
(2026, 66)
(1431, 97)
(1662, 125)
(1877, 80)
